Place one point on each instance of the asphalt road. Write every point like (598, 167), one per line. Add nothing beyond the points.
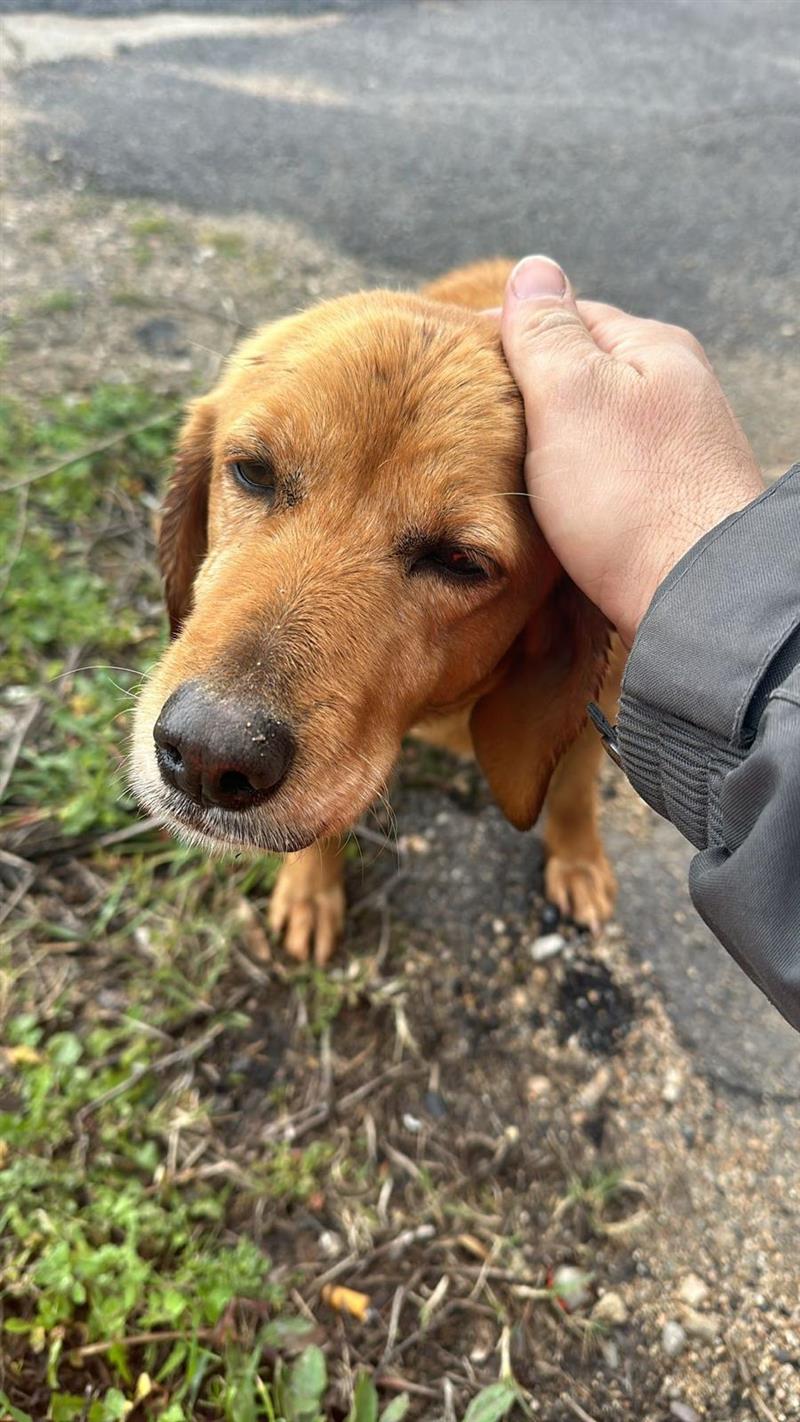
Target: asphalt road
(652, 146)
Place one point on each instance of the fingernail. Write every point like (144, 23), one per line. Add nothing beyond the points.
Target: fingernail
(537, 277)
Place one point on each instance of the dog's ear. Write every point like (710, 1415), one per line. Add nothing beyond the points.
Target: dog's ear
(183, 534)
(522, 727)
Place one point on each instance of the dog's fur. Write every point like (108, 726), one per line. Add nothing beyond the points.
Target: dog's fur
(393, 426)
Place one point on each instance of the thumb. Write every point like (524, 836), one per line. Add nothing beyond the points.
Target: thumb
(541, 328)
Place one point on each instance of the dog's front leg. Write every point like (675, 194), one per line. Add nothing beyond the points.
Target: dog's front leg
(308, 903)
(578, 877)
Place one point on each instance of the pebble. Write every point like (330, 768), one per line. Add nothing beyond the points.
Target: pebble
(547, 946)
(569, 1283)
(590, 1095)
(705, 1326)
(538, 1086)
(330, 1243)
(435, 1105)
(610, 1353)
(550, 917)
(611, 1309)
(683, 1412)
(672, 1089)
(692, 1290)
(673, 1338)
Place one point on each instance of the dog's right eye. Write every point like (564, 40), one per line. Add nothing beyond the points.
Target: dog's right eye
(255, 475)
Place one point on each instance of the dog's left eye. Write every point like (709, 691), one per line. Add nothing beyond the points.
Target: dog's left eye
(453, 563)
(254, 474)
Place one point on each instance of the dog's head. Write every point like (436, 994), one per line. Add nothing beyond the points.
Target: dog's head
(347, 549)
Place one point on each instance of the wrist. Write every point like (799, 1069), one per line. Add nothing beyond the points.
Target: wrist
(635, 595)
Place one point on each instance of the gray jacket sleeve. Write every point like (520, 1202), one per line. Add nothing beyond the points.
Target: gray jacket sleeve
(709, 730)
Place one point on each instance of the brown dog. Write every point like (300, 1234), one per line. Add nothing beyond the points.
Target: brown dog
(349, 553)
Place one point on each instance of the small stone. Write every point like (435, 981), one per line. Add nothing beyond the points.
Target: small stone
(569, 1284)
(498, 926)
(538, 1086)
(161, 336)
(705, 1326)
(673, 1338)
(683, 1412)
(611, 1309)
(547, 947)
(692, 1290)
(435, 1105)
(550, 917)
(413, 844)
(672, 1089)
(590, 1095)
(610, 1353)
(330, 1243)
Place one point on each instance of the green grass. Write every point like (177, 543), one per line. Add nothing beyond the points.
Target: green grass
(156, 224)
(99, 1247)
(56, 302)
(61, 536)
(133, 300)
(226, 244)
(98, 1243)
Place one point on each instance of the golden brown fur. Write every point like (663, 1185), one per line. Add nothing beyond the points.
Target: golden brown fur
(393, 425)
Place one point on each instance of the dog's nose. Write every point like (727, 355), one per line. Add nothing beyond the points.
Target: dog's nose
(219, 753)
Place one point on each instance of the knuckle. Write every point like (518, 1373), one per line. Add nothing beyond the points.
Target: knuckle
(687, 338)
(550, 329)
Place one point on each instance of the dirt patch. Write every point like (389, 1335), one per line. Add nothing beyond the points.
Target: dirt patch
(119, 291)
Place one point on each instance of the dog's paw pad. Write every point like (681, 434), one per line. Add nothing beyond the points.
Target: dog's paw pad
(581, 889)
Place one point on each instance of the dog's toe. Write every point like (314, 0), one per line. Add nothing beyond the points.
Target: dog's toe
(583, 890)
(308, 915)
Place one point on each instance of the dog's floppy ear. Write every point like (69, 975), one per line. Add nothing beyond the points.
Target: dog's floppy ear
(521, 728)
(182, 538)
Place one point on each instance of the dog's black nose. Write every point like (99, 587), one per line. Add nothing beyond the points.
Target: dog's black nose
(218, 752)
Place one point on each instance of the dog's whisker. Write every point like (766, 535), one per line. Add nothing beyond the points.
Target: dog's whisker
(97, 666)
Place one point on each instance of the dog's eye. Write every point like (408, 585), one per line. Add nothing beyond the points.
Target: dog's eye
(254, 474)
(449, 561)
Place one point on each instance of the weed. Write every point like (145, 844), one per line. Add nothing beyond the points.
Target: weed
(156, 224)
(100, 1251)
(596, 1190)
(226, 244)
(134, 300)
(593, 1195)
(57, 540)
(57, 302)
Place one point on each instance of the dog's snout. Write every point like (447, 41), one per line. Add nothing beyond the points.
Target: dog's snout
(219, 753)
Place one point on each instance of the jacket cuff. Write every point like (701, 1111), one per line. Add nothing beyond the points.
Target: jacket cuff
(723, 618)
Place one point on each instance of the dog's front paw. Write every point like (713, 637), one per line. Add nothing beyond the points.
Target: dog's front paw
(582, 889)
(308, 905)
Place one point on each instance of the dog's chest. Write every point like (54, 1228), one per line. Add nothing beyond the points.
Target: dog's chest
(450, 732)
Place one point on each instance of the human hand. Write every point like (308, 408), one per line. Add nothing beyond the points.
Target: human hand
(633, 451)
